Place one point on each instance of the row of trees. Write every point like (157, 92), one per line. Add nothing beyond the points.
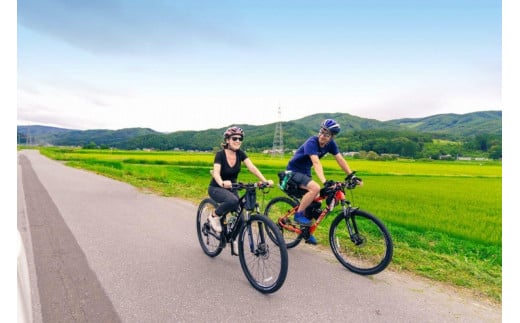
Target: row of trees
(380, 142)
(424, 145)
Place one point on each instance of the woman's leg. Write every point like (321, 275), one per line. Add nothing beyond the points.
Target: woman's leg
(227, 201)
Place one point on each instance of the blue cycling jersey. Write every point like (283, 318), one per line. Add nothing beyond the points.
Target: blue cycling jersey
(301, 161)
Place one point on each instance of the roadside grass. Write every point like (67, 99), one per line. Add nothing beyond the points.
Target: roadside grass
(445, 217)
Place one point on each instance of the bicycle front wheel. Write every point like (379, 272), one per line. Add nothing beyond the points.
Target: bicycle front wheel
(276, 210)
(263, 254)
(361, 242)
(208, 239)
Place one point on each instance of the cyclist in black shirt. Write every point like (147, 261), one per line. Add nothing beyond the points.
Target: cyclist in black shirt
(226, 167)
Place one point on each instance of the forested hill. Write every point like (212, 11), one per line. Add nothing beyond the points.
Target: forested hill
(355, 132)
(487, 122)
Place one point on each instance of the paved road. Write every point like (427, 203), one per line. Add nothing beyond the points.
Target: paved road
(98, 250)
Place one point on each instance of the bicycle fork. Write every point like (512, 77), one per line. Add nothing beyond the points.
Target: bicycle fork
(258, 247)
(350, 222)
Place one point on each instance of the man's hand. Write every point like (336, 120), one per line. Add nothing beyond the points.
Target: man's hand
(356, 180)
(328, 183)
(328, 188)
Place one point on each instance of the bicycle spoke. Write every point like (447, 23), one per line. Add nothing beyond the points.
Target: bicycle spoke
(361, 243)
(276, 210)
(263, 260)
(208, 239)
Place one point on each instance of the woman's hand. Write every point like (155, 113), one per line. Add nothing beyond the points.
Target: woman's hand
(226, 184)
(266, 183)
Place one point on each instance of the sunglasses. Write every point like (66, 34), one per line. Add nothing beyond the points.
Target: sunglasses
(237, 139)
(325, 133)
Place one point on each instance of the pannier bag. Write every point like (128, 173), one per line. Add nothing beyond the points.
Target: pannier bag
(289, 186)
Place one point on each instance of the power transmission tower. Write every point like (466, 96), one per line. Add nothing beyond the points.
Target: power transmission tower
(28, 136)
(278, 137)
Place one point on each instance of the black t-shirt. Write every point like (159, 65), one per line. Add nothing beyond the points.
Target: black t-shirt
(228, 173)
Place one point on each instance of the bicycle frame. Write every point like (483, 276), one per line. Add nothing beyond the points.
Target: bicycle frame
(338, 198)
(246, 205)
(257, 240)
(359, 240)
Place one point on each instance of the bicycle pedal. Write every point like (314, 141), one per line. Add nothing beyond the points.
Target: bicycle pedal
(302, 225)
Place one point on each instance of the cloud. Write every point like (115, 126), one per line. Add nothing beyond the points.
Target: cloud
(134, 28)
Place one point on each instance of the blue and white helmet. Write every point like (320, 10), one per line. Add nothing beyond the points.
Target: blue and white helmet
(331, 125)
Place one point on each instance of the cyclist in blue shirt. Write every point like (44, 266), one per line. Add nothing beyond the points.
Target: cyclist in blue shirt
(307, 156)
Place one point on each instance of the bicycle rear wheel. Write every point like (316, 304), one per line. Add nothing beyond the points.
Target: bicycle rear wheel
(209, 240)
(264, 260)
(276, 209)
(361, 242)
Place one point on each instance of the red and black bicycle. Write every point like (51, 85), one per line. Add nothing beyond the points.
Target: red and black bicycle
(358, 239)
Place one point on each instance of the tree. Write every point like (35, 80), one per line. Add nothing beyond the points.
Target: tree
(90, 145)
(495, 152)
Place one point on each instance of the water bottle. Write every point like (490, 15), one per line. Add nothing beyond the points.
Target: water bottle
(288, 175)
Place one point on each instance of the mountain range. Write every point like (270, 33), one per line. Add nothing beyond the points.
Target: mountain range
(451, 126)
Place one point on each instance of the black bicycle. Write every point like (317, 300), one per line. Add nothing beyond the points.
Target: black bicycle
(358, 239)
(264, 261)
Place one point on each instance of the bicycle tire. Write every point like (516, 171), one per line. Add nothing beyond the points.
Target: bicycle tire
(276, 209)
(210, 242)
(263, 259)
(369, 250)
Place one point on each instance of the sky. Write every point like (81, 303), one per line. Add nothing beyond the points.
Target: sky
(196, 65)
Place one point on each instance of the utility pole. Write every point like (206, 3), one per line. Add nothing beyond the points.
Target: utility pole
(278, 137)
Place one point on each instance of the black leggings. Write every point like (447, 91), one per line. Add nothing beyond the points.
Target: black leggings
(227, 200)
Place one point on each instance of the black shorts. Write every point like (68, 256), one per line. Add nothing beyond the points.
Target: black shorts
(300, 179)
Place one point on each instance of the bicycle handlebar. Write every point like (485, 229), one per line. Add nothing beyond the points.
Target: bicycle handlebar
(242, 186)
(350, 182)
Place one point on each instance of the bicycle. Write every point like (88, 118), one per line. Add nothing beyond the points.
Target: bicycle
(264, 261)
(358, 239)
